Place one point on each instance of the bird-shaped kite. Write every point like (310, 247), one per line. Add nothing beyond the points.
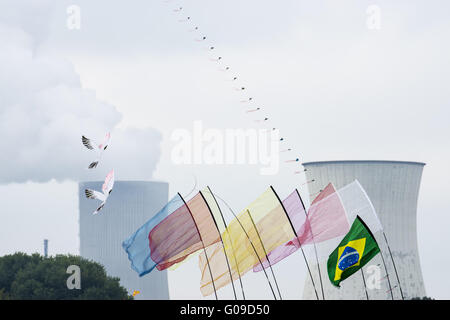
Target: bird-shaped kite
(91, 145)
(106, 191)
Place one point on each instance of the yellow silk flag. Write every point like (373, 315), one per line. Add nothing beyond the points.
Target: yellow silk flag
(220, 257)
(257, 230)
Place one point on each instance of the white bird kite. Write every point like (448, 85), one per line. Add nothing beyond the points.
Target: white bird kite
(106, 189)
(91, 145)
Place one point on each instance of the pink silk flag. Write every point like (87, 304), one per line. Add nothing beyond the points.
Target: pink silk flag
(172, 236)
(326, 220)
(183, 233)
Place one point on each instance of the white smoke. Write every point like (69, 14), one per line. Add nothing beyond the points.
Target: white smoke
(44, 111)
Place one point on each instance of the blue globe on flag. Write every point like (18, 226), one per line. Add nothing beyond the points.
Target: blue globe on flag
(349, 257)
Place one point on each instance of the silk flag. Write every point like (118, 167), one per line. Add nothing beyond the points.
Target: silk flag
(297, 215)
(219, 257)
(326, 219)
(169, 237)
(160, 237)
(259, 228)
(354, 251)
(201, 222)
(356, 203)
(238, 236)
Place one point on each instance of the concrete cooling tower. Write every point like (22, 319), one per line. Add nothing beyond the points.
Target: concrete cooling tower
(129, 206)
(393, 188)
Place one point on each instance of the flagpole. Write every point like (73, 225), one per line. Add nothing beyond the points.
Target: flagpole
(393, 263)
(251, 243)
(315, 251)
(296, 236)
(265, 252)
(204, 249)
(364, 281)
(224, 251)
(231, 243)
(387, 275)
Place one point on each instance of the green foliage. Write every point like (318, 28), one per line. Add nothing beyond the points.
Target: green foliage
(33, 277)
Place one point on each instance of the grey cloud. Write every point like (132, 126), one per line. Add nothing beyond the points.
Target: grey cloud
(44, 111)
(116, 28)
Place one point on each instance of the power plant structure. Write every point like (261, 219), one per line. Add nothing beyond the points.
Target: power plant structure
(45, 248)
(129, 206)
(393, 188)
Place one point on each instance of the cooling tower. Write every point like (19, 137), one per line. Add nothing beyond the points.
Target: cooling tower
(129, 206)
(393, 187)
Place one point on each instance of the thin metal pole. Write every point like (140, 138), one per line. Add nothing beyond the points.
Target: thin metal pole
(364, 281)
(315, 251)
(251, 243)
(393, 263)
(387, 275)
(204, 250)
(265, 253)
(296, 237)
(392, 288)
(226, 257)
(231, 243)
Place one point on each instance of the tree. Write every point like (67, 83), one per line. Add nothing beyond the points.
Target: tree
(422, 298)
(32, 277)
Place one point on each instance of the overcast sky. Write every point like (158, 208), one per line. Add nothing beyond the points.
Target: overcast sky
(334, 88)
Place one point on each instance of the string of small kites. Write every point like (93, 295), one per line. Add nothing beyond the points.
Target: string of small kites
(249, 101)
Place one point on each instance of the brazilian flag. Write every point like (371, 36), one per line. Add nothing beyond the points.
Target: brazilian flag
(356, 249)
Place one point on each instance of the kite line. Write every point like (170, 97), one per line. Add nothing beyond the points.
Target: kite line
(224, 251)
(315, 250)
(231, 243)
(204, 249)
(387, 275)
(296, 236)
(251, 243)
(393, 263)
(364, 281)
(265, 253)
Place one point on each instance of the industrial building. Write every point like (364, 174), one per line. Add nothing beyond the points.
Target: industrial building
(393, 188)
(129, 206)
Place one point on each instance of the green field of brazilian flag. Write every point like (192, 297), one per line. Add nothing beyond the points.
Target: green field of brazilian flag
(356, 249)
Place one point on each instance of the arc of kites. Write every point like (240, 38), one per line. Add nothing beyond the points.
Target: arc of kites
(219, 58)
